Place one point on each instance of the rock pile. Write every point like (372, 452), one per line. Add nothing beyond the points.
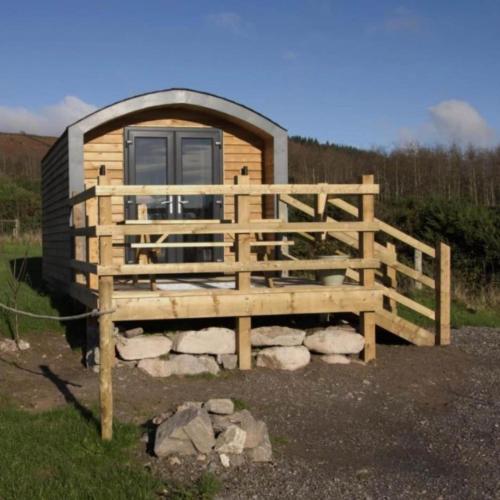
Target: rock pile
(213, 429)
(209, 350)
(290, 349)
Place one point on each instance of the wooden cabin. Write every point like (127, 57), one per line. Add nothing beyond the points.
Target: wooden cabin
(159, 138)
(174, 204)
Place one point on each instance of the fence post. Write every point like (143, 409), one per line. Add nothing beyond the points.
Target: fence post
(367, 276)
(443, 294)
(243, 279)
(106, 343)
(17, 228)
(418, 267)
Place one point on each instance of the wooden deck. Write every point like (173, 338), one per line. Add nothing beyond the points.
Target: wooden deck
(202, 298)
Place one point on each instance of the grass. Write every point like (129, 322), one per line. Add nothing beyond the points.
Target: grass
(205, 488)
(31, 298)
(279, 440)
(59, 455)
(461, 314)
(239, 404)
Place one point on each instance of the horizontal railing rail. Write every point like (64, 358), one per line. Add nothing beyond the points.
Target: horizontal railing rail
(236, 189)
(222, 228)
(235, 267)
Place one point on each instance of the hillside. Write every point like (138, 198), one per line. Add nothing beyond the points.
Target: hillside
(20, 154)
(420, 172)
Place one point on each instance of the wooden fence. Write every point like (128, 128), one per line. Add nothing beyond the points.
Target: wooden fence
(11, 227)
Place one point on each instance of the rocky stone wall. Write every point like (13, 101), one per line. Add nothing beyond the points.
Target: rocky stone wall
(209, 350)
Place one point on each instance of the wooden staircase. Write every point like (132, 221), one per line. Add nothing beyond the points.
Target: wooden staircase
(386, 278)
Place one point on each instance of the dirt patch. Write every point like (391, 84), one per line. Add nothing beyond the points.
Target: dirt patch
(422, 422)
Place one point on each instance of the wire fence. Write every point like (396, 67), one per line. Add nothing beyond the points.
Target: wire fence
(95, 313)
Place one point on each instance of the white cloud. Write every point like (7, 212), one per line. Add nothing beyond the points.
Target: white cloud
(459, 122)
(229, 21)
(50, 120)
(452, 122)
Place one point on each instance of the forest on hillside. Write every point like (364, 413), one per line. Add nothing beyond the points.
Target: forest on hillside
(431, 192)
(418, 172)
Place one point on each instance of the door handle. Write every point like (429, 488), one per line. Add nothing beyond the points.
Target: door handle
(170, 203)
(181, 202)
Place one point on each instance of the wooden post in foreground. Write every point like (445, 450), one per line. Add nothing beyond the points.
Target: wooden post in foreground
(243, 279)
(443, 294)
(106, 342)
(366, 246)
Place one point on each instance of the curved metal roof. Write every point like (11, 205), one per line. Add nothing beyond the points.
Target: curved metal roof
(176, 93)
(173, 97)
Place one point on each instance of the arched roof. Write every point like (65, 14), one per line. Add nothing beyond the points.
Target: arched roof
(210, 102)
(175, 97)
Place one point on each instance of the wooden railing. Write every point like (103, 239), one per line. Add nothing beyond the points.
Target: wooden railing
(94, 241)
(90, 264)
(387, 277)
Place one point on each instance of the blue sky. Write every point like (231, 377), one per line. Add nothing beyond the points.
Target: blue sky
(362, 73)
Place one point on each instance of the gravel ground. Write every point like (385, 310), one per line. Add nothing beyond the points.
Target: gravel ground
(420, 423)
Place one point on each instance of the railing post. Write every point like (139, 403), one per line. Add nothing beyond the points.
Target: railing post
(92, 247)
(418, 267)
(320, 212)
(443, 294)
(106, 343)
(243, 279)
(145, 255)
(391, 275)
(78, 217)
(366, 246)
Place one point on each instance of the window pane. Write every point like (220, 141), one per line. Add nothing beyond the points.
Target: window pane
(150, 169)
(197, 168)
(196, 161)
(150, 160)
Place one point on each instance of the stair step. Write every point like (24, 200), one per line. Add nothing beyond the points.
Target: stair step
(405, 329)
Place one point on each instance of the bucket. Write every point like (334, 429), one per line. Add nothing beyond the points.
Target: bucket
(332, 277)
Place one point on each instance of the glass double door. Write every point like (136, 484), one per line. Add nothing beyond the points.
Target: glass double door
(175, 157)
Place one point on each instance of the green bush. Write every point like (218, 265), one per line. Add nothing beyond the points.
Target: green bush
(21, 199)
(472, 231)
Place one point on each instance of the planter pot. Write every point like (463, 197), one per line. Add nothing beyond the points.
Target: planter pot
(332, 277)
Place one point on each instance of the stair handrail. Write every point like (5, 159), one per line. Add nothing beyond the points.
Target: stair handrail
(388, 256)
